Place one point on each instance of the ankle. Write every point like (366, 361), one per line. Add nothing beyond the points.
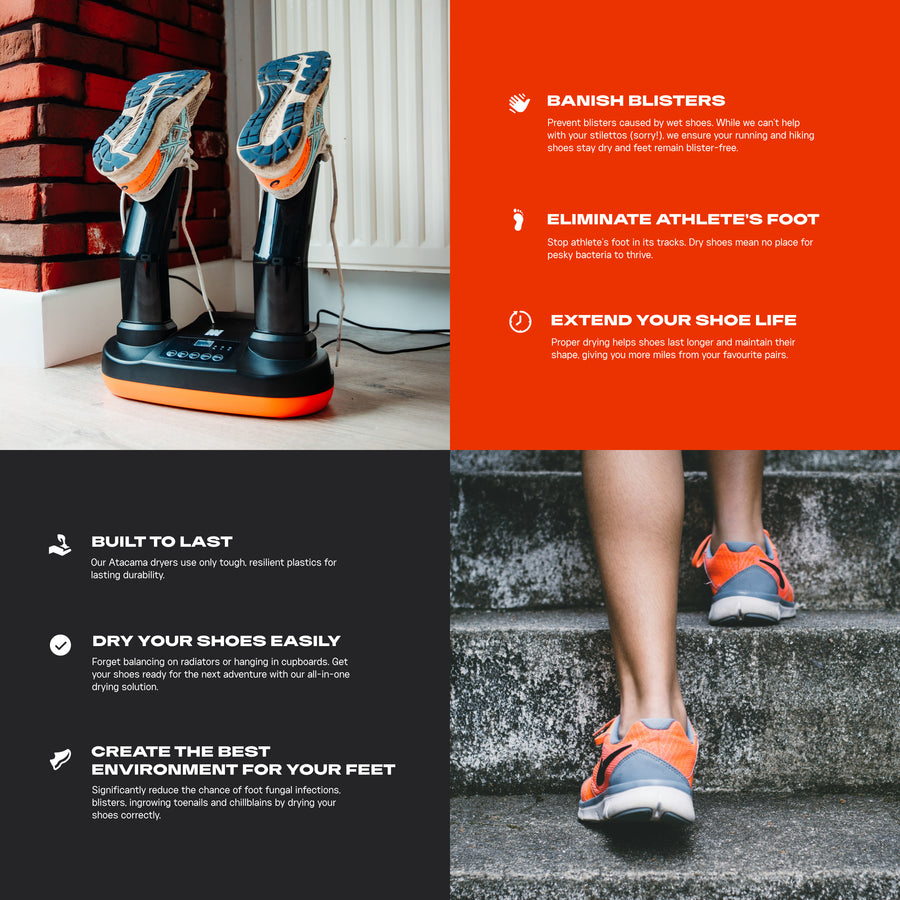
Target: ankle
(744, 533)
(668, 708)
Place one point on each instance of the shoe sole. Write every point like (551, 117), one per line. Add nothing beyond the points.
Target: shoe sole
(739, 609)
(652, 803)
(279, 128)
(151, 107)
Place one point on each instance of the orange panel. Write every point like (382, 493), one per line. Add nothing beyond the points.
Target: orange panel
(802, 345)
(237, 404)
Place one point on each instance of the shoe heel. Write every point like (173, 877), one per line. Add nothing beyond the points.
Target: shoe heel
(651, 803)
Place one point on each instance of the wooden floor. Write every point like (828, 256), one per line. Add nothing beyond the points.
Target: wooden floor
(399, 402)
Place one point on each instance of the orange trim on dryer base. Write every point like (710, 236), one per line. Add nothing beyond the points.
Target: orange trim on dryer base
(237, 404)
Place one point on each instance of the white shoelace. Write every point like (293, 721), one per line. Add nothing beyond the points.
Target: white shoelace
(191, 165)
(337, 256)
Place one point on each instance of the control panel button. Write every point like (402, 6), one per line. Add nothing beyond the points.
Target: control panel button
(188, 351)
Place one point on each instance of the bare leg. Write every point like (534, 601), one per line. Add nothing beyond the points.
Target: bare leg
(736, 477)
(635, 501)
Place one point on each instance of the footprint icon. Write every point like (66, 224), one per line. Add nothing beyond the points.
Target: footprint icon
(518, 218)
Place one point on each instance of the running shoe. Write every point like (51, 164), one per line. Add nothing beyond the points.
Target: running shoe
(645, 776)
(152, 136)
(747, 582)
(285, 136)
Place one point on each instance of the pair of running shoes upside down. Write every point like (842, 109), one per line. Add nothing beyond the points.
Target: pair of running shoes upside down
(647, 774)
(280, 143)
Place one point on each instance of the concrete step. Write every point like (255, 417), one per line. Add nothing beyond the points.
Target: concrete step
(809, 704)
(522, 540)
(866, 461)
(746, 847)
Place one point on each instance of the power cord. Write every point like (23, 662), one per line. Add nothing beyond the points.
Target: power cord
(436, 331)
(347, 340)
(379, 327)
(194, 286)
(441, 331)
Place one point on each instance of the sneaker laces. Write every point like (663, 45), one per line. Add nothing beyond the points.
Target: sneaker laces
(122, 211)
(601, 735)
(191, 165)
(337, 256)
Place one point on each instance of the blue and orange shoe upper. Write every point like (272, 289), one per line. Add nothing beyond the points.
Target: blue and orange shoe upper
(744, 569)
(152, 136)
(283, 139)
(653, 751)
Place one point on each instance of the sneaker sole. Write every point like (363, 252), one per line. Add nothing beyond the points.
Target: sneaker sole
(269, 141)
(153, 104)
(652, 803)
(739, 609)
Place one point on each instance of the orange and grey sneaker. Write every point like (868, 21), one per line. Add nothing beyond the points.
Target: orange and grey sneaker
(643, 776)
(285, 136)
(748, 584)
(152, 136)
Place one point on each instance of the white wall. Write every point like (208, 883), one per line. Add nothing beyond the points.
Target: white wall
(53, 327)
(387, 114)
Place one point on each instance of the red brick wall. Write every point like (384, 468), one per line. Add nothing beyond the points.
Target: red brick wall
(65, 67)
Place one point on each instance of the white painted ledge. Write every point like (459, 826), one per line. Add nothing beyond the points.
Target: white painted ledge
(53, 327)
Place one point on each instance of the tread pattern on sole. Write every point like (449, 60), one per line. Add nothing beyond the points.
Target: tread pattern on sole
(171, 86)
(274, 79)
(105, 160)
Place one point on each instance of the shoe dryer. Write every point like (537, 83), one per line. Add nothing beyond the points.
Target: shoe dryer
(266, 364)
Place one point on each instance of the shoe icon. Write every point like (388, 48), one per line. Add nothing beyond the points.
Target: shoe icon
(59, 759)
(60, 549)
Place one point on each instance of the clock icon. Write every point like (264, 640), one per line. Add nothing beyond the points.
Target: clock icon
(520, 321)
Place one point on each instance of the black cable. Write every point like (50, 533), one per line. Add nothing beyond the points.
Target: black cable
(441, 331)
(194, 286)
(387, 352)
(379, 327)
(444, 331)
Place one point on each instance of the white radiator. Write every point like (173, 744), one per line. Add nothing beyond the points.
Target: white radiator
(387, 112)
